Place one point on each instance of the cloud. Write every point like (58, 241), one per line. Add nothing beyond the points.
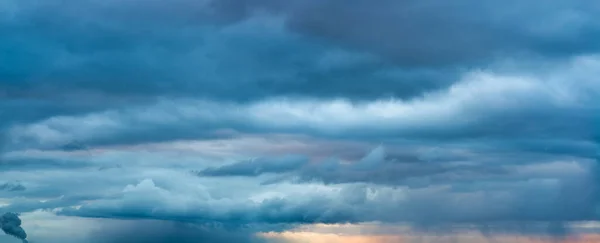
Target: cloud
(460, 114)
(12, 187)
(257, 166)
(24, 164)
(11, 225)
(536, 199)
(531, 192)
(93, 56)
(160, 231)
(433, 33)
(483, 105)
(44, 226)
(146, 200)
(510, 133)
(376, 168)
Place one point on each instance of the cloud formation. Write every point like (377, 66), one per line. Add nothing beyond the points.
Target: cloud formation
(476, 107)
(430, 33)
(257, 166)
(159, 232)
(93, 53)
(11, 225)
(184, 116)
(12, 187)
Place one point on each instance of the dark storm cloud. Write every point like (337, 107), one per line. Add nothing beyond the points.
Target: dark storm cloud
(114, 53)
(112, 56)
(431, 33)
(11, 225)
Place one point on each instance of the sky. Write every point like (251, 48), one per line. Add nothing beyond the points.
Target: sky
(300, 121)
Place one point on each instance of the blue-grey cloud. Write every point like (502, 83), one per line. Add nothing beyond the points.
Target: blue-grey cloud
(33, 202)
(33, 164)
(474, 108)
(418, 33)
(117, 55)
(12, 187)
(182, 51)
(560, 192)
(257, 166)
(11, 225)
(525, 202)
(151, 231)
(488, 113)
(376, 167)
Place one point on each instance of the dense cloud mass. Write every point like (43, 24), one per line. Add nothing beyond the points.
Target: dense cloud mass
(219, 120)
(11, 225)
(432, 33)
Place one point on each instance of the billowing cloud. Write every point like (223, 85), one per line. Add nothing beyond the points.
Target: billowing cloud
(483, 105)
(11, 225)
(488, 202)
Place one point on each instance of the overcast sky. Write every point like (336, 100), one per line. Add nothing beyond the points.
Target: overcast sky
(269, 121)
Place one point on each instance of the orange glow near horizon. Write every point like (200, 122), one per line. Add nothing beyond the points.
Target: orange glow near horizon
(314, 237)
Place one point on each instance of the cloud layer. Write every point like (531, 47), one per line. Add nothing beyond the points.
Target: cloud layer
(219, 119)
